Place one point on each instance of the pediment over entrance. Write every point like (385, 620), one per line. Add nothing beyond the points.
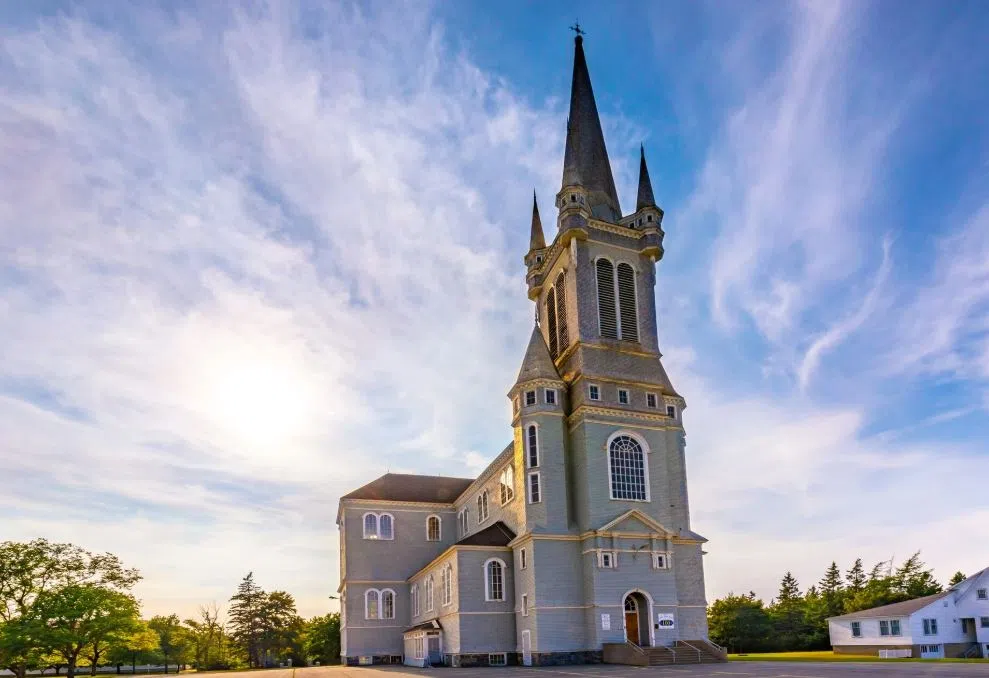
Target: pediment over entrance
(636, 522)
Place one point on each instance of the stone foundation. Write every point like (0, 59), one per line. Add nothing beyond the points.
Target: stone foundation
(562, 658)
(375, 659)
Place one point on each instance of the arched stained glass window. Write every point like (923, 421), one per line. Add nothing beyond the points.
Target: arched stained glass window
(371, 526)
(628, 469)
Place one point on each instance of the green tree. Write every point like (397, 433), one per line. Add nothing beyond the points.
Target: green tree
(912, 580)
(246, 608)
(832, 591)
(321, 639)
(74, 618)
(957, 578)
(173, 639)
(740, 623)
(139, 645)
(32, 569)
(788, 615)
(855, 577)
(281, 627)
(209, 642)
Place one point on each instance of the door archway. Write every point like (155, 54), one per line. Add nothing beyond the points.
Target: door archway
(636, 608)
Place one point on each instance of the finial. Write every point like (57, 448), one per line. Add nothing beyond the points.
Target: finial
(576, 29)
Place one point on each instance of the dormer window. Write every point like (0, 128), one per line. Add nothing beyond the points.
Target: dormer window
(550, 394)
(530, 398)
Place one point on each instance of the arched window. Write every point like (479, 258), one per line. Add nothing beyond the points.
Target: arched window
(414, 599)
(433, 528)
(626, 303)
(494, 580)
(630, 604)
(464, 522)
(627, 469)
(607, 317)
(387, 604)
(429, 594)
(532, 444)
(371, 604)
(447, 585)
(507, 486)
(370, 526)
(554, 345)
(385, 526)
(561, 312)
(482, 506)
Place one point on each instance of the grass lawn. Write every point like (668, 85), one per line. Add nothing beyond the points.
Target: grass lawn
(828, 656)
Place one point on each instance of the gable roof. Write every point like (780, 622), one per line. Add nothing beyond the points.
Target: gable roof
(907, 607)
(412, 488)
(498, 534)
(631, 515)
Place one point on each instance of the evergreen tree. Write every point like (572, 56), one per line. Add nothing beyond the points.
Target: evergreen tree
(788, 615)
(246, 619)
(957, 578)
(832, 591)
(856, 577)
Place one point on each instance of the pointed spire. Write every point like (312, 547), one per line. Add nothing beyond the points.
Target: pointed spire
(585, 160)
(645, 197)
(536, 239)
(537, 363)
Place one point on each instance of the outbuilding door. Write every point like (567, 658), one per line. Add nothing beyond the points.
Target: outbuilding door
(433, 651)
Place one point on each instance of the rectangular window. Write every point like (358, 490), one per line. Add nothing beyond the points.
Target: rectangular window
(623, 396)
(981, 594)
(651, 400)
(984, 622)
(550, 395)
(606, 559)
(930, 627)
(883, 627)
(856, 629)
(593, 392)
(498, 659)
(525, 605)
(535, 493)
(660, 561)
(894, 627)
(532, 441)
(671, 412)
(522, 559)
(530, 398)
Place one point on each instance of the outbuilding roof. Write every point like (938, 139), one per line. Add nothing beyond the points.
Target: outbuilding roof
(498, 534)
(412, 488)
(907, 607)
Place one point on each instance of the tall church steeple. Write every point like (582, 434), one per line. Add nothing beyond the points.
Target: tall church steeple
(585, 160)
(536, 239)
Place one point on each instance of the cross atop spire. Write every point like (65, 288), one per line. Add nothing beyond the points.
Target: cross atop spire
(576, 29)
(585, 160)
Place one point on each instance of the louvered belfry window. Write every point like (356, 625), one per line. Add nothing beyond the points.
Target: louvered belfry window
(561, 312)
(607, 317)
(626, 302)
(554, 346)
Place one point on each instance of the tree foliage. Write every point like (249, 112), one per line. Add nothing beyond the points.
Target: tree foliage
(795, 621)
(321, 639)
(956, 578)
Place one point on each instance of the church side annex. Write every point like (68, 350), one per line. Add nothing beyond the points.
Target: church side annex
(576, 540)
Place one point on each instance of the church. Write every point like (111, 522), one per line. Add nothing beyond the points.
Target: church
(574, 545)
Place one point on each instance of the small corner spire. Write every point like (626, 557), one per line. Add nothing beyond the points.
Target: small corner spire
(645, 197)
(536, 239)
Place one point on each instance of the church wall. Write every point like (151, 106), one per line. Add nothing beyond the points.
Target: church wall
(550, 514)
(470, 580)
(436, 572)
(487, 633)
(557, 606)
(394, 559)
(591, 462)
(688, 565)
(676, 481)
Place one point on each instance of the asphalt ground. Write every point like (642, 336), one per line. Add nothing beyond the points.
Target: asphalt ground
(736, 669)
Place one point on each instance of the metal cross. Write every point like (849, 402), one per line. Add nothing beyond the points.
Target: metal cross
(576, 28)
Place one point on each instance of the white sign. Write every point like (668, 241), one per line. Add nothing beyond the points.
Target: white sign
(665, 620)
(605, 622)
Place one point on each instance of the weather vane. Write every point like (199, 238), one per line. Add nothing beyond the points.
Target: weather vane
(576, 28)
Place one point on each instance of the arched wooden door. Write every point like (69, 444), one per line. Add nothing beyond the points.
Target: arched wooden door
(631, 620)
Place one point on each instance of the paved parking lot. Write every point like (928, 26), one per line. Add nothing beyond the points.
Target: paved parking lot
(737, 669)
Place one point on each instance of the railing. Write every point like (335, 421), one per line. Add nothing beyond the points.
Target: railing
(972, 651)
(723, 651)
(637, 648)
(697, 650)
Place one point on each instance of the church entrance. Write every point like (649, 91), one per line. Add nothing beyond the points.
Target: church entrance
(637, 619)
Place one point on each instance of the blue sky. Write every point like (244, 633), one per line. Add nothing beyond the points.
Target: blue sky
(253, 258)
